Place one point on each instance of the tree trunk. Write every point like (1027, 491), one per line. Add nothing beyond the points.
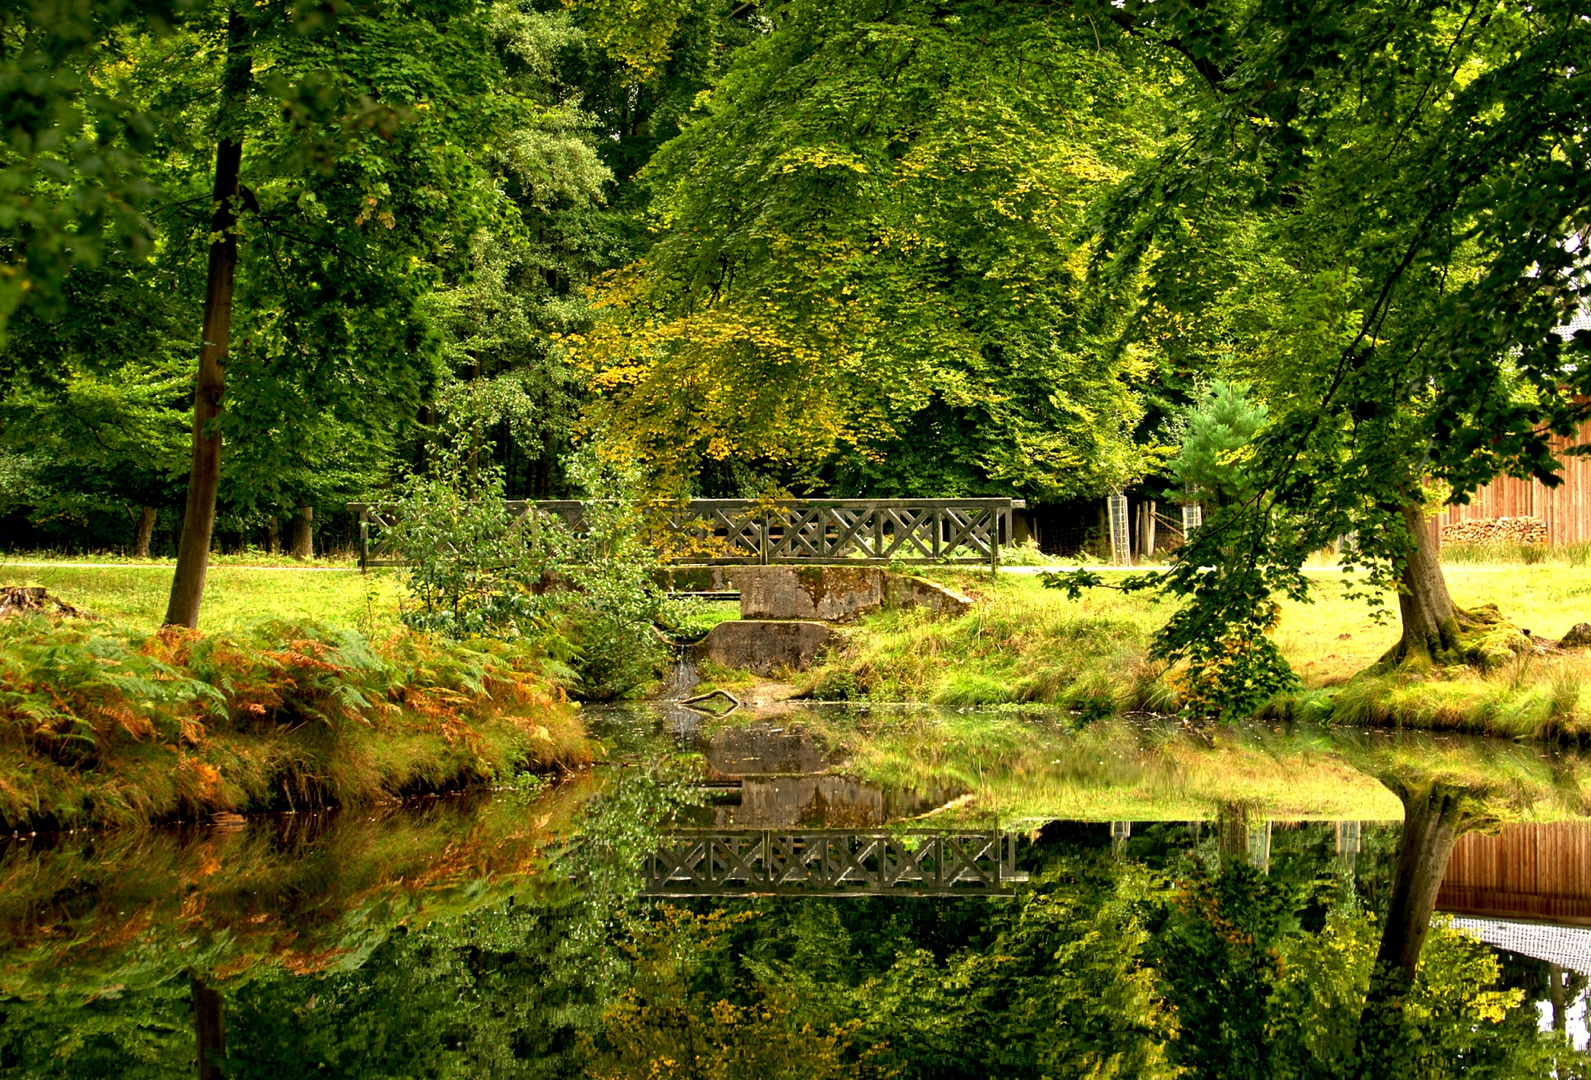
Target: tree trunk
(303, 543)
(273, 535)
(1430, 621)
(204, 477)
(145, 532)
(1433, 816)
(209, 1028)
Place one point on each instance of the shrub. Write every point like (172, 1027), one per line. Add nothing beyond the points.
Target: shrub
(469, 567)
(614, 602)
(587, 596)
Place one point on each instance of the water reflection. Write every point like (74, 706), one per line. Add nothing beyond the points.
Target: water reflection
(818, 914)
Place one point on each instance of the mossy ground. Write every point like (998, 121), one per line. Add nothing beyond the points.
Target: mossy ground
(1023, 643)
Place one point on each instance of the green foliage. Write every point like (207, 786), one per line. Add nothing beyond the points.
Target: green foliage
(869, 273)
(469, 566)
(614, 603)
(1220, 429)
(1371, 214)
(473, 570)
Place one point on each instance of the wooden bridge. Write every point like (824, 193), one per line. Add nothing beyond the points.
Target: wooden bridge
(824, 862)
(741, 532)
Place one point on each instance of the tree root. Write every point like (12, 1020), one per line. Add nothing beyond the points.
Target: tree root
(1479, 637)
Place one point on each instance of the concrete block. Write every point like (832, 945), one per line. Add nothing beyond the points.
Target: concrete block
(916, 592)
(764, 647)
(830, 593)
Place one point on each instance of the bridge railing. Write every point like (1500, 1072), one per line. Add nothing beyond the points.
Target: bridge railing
(743, 532)
(828, 862)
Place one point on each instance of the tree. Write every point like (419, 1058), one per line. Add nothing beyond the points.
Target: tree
(1383, 203)
(868, 274)
(339, 180)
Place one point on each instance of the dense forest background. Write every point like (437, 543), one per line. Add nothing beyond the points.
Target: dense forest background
(1319, 269)
(478, 224)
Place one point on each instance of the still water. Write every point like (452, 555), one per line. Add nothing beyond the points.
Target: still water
(824, 892)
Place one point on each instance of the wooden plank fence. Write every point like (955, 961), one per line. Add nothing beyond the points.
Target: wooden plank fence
(832, 863)
(1565, 509)
(742, 532)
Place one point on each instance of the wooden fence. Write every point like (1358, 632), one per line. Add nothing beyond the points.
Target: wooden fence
(1565, 509)
(832, 863)
(740, 532)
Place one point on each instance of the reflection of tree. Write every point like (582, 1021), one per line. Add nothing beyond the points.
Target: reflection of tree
(209, 1028)
(1564, 988)
(1435, 813)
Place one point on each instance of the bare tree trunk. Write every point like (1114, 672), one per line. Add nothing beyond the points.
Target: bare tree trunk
(209, 1028)
(145, 532)
(204, 478)
(273, 535)
(303, 542)
(1433, 816)
(1431, 624)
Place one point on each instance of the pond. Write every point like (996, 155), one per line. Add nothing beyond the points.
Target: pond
(816, 891)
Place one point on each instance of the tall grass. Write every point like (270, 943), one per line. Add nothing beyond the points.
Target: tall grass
(1020, 644)
(106, 727)
(1544, 698)
(1505, 552)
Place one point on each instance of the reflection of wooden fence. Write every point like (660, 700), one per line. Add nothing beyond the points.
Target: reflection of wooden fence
(832, 863)
(737, 531)
(1539, 872)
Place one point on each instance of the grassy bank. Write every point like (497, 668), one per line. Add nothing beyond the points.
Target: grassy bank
(105, 726)
(1023, 643)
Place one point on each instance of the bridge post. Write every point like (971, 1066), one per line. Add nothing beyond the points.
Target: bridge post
(995, 514)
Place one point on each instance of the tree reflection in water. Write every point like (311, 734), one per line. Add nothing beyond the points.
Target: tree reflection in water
(459, 945)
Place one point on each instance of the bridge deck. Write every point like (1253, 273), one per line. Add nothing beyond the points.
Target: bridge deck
(742, 532)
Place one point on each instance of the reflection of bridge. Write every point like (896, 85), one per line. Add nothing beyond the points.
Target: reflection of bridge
(832, 863)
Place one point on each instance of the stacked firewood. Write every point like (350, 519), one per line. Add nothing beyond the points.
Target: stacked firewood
(1515, 530)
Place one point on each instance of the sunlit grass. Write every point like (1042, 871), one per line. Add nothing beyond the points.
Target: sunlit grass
(1027, 644)
(234, 596)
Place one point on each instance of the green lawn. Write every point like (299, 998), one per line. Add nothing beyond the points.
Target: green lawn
(135, 596)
